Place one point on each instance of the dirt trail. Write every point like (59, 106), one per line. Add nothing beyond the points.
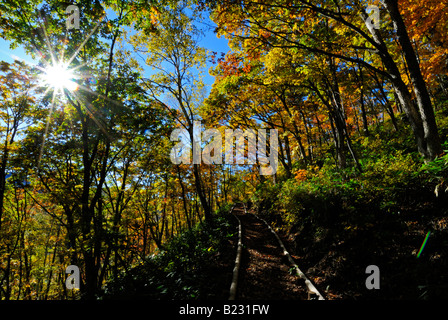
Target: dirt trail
(264, 273)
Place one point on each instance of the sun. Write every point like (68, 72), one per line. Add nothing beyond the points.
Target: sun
(59, 77)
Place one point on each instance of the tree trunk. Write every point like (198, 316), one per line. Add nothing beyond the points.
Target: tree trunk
(361, 100)
(430, 141)
(184, 198)
(197, 179)
(421, 116)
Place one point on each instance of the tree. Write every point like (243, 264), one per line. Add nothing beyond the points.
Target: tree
(173, 51)
(335, 29)
(16, 109)
(82, 141)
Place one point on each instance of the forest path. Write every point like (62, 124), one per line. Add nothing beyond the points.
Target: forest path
(265, 270)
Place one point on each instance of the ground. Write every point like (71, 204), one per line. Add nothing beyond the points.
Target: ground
(265, 272)
(336, 259)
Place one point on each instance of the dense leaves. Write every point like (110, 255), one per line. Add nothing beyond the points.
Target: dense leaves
(85, 172)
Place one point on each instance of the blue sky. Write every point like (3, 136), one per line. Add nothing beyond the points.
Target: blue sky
(213, 43)
(8, 55)
(210, 41)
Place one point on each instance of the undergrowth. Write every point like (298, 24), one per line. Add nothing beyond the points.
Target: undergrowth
(184, 268)
(341, 220)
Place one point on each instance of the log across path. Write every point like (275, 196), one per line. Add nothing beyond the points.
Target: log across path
(265, 272)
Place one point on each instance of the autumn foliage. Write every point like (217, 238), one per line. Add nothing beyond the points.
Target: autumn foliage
(86, 177)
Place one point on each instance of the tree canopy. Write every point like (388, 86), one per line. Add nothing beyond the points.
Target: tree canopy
(357, 91)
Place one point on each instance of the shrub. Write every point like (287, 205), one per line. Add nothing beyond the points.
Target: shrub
(181, 270)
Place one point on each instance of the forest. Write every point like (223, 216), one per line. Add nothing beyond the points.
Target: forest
(117, 150)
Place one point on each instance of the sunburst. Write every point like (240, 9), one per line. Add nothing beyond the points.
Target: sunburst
(59, 77)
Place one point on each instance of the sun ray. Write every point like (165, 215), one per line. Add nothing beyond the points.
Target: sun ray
(87, 106)
(85, 41)
(47, 127)
(58, 76)
(87, 89)
(18, 95)
(79, 66)
(47, 40)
